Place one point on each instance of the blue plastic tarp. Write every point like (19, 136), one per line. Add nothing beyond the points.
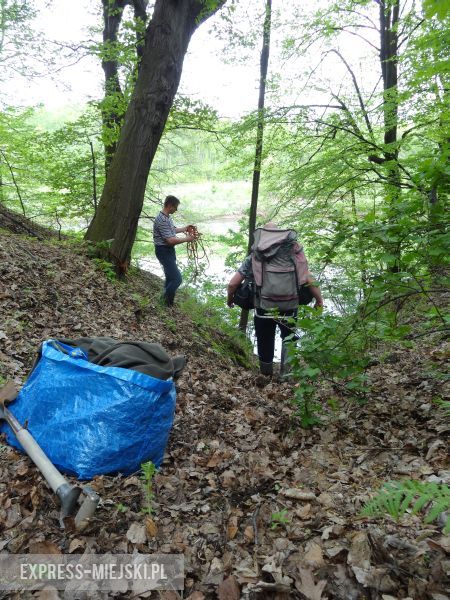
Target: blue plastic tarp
(92, 420)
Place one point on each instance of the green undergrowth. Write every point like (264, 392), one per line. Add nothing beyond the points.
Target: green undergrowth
(208, 314)
(396, 498)
(212, 327)
(399, 314)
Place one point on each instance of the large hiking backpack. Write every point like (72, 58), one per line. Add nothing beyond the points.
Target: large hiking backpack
(279, 269)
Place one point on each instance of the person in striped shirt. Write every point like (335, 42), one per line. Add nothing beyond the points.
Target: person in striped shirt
(165, 239)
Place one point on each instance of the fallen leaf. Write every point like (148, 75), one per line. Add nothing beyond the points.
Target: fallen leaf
(306, 585)
(75, 544)
(13, 516)
(136, 534)
(44, 547)
(244, 570)
(252, 415)
(8, 391)
(442, 543)
(314, 555)
(131, 481)
(298, 494)
(326, 499)
(151, 527)
(229, 589)
(215, 460)
(359, 554)
(215, 574)
(249, 533)
(303, 511)
(22, 469)
(334, 550)
(228, 478)
(47, 593)
(35, 497)
(377, 579)
(232, 527)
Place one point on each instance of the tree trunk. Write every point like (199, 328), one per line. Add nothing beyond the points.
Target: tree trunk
(264, 64)
(389, 22)
(389, 17)
(166, 42)
(94, 177)
(14, 180)
(112, 16)
(436, 203)
(112, 111)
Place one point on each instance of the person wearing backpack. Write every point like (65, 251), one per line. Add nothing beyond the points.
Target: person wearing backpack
(278, 268)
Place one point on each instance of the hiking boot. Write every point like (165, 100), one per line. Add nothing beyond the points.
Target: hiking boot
(285, 367)
(262, 380)
(163, 301)
(266, 368)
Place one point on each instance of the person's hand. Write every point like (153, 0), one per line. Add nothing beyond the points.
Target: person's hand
(190, 238)
(230, 299)
(193, 231)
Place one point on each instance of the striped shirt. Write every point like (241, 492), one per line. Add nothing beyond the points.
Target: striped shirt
(246, 268)
(163, 228)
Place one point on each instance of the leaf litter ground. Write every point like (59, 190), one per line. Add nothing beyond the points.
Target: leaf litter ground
(258, 507)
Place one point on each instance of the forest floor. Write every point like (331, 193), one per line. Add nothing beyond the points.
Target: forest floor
(258, 507)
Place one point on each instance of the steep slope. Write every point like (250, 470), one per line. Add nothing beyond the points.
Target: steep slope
(258, 507)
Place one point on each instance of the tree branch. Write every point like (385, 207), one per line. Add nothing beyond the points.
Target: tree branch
(361, 37)
(356, 133)
(358, 91)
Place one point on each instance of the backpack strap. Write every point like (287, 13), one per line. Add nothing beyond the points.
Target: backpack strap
(301, 264)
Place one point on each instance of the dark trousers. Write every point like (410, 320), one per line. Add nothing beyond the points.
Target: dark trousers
(265, 329)
(168, 259)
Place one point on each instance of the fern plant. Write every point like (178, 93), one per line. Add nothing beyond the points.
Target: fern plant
(396, 497)
(148, 472)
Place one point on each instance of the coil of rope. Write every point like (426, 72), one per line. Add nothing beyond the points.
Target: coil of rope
(195, 249)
